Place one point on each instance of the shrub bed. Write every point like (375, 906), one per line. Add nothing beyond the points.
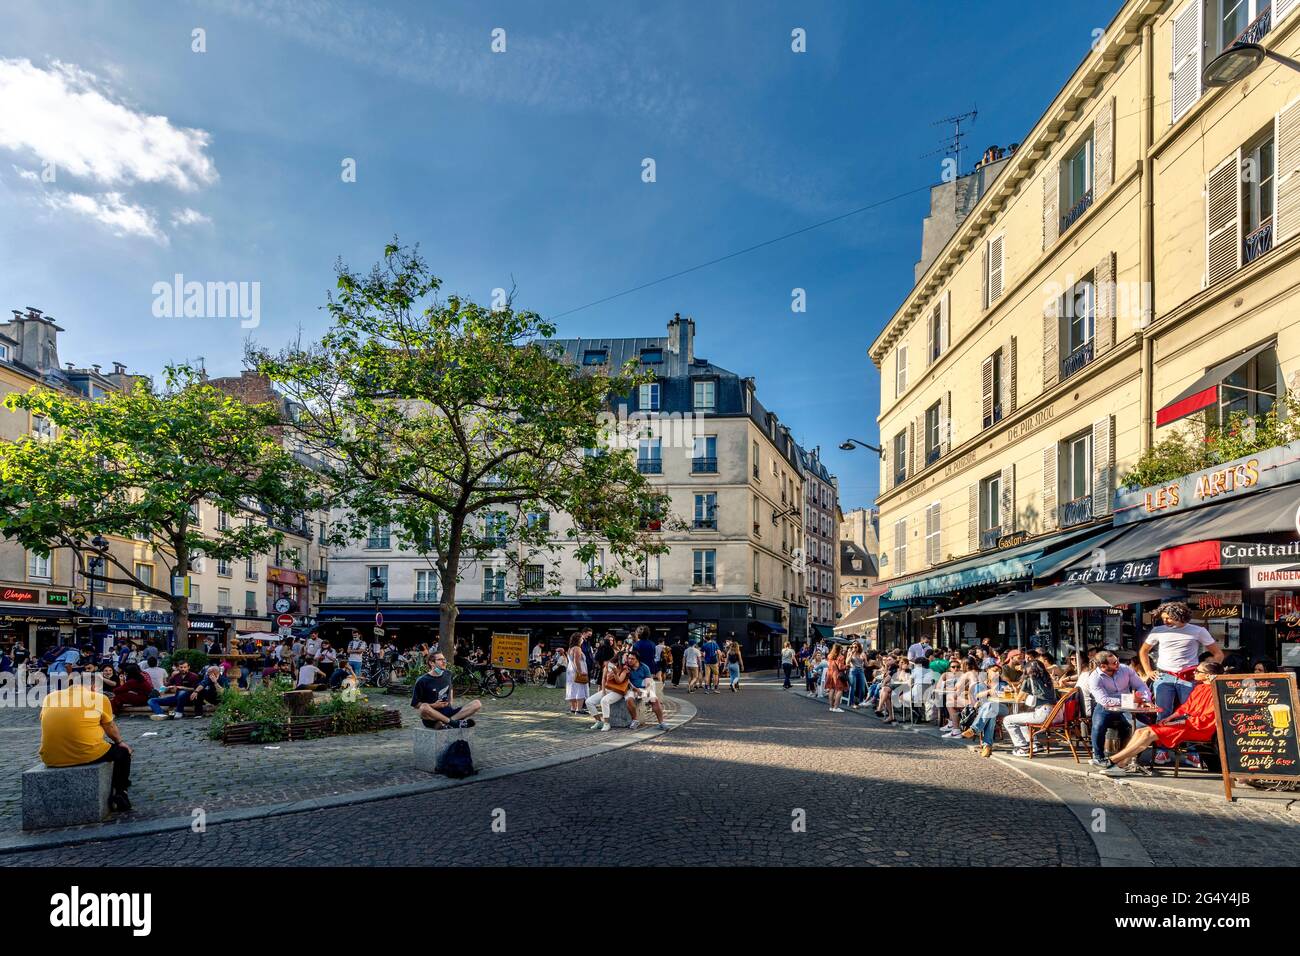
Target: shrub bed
(262, 716)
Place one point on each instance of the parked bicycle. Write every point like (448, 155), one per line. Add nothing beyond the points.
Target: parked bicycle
(375, 671)
(484, 679)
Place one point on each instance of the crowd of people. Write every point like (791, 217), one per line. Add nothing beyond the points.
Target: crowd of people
(975, 693)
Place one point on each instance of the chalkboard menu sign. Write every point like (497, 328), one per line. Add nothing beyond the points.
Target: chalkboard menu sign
(1255, 714)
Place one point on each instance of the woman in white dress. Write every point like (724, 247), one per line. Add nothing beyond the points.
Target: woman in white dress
(575, 676)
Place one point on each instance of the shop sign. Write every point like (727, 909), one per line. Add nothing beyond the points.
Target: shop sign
(1215, 605)
(18, 595)
(58, 598)
(1118, 573)
(1275, 466)
(1012, 540)
(1286, 611)
(203, 625)
(1240, 554)
(1274, 576)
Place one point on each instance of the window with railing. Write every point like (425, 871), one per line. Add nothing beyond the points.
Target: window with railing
(379, 537)
(900, 458)
(426, 586)
(1078, 326)
(649, 459)
(1258, 177)
(704, 573)
(706, 511)
(494, 585)
(534, 577)
(1077, 182)
(1242, 21)
(990, 516)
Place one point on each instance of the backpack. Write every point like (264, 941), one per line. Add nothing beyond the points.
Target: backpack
(456, 761)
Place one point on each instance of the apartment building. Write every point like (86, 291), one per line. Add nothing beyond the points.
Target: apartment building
(821, 547)
(734, 477)
(1128, 269)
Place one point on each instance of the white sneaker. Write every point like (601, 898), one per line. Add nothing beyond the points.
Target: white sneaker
(1020, 752)
(157, 716)
(597, 725)
(837, 710)
(634, 725)
(605, 726)
(177, 715)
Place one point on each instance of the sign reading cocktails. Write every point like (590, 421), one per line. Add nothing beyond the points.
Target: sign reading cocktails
(1275, 466)
(1255, 718)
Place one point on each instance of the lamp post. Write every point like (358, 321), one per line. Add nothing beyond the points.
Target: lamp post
(1238, 62)
(376, 592)
(96, 563)
(850, 443)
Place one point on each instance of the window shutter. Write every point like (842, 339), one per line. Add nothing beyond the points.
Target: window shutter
(945, 424)
(986, 375)
(973, 519)
(1103, 149)
(1009, 372)
(1286, 180)
(918, 450)
(1005, 399)
(1185, 80)
(1103, 465)
(996, 268)
(1051, 207)
(984, 276)
(932, 534)
(900, 371)
(886, 472)
(945, 327)
(1223, 240)
(910, 466)
(929, 343)
(1281, 8)
(1007, 509)
(1049, 487)
(900, 546)
(1104, 293)
(1051, 343)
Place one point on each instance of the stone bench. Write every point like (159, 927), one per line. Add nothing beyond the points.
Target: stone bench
(430, 744)
(66, 796)
(618, 716)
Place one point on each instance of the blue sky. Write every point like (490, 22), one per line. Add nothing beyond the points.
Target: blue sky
(523, 166)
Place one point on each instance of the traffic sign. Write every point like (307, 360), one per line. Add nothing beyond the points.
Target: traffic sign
(379, 619)
(284, 620)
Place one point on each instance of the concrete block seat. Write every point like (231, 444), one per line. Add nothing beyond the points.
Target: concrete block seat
(618, 716)
(66, 796)
(430, 744)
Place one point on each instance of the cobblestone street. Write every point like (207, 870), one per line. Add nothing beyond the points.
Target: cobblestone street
(724, 788)
(176, 768)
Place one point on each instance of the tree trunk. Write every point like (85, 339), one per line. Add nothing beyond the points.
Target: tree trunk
(181, 621)
(447, 614)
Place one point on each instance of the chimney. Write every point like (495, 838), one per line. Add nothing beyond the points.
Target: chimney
(681, 337)
(119, 368)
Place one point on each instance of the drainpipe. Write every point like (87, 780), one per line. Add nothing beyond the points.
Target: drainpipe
(1147, 238)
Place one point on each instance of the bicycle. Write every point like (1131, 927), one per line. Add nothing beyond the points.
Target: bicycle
(493, 681)
(376, 672)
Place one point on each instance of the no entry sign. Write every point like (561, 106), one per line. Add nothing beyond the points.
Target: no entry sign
(284, 620)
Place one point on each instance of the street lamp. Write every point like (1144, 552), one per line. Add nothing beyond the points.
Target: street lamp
(849, 443)
(99, 545)
(377, 589)
(1238, 62)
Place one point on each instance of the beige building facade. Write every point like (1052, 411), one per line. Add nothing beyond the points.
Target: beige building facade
(1139, 237)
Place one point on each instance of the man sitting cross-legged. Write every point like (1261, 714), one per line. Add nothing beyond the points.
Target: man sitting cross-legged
(432, 697)
(1192, 722)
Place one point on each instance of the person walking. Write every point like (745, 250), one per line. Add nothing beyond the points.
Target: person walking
(857, 675)
(735, 664)
(678, 649)
(787, 664)
(836, 684)
(576, 677)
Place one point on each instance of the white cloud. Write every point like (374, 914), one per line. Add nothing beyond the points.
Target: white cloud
(124, 218)
(189, 217)
(65, 115)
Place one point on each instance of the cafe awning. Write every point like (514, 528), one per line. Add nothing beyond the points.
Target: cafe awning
(1067, 597)
(1267, 512)
(1204, 392)
(993, 567)
(1057, 561)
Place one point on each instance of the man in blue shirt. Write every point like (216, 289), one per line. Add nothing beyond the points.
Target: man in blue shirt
(710, 652)
(1107, 685)
(67, 659)
(643, 646)
(643, 688)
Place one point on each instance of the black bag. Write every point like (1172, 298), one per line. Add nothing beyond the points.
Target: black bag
(967, 717)
(456, 761)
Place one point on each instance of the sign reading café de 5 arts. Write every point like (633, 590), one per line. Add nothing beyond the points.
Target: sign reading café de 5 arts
(1274, 466)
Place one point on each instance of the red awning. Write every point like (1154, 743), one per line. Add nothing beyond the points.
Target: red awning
(1189, 558)
(1204, 392)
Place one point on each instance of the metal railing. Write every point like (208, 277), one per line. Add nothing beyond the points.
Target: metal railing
(989, 538)
(426, 596)
(1077, 210)
(1258, 29)
(196, 608)
(224, 608)
(706, 466)
(706, 524)
(1258, 242)
(650, 466)
(588, 584)
(1076, 359)
(647, 584)
(319, 577)
(1075, 512)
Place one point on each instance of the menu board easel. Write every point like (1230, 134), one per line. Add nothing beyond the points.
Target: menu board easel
(1255, 720)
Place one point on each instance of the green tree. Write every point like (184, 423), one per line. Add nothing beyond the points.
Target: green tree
(136, 464)
(458, 425)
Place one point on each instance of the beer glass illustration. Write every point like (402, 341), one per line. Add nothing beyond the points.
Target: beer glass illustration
(1280, 714)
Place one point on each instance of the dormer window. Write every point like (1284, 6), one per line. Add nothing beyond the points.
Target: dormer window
(652, 356)
(595, 356)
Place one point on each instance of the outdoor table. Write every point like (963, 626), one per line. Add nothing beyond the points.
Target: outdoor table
(1141, 709)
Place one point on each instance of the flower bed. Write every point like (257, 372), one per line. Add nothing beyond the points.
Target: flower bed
(262, 716)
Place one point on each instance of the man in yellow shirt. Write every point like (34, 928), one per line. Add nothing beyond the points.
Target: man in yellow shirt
(74, 722)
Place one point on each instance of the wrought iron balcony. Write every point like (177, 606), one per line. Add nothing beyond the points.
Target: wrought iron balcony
(900, 475)
(989, 538)
(647, 584)
(706, 466)
(1077, 210)
(494, 597)
(424, 596)
(319, 577)
(250, 575)
(1258, 242)
(932, 455)
(196, 608)
(650, 466)
(1076, 359)
(588, 584)
(1074, 512)
(1257, 30)
(224, 609)
(706, 524)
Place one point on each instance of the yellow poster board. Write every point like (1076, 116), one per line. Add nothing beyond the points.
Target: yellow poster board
(510, 651)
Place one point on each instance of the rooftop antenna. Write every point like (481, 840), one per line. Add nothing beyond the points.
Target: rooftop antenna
(953, 145)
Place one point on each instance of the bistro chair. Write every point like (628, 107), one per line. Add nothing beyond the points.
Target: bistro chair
(1061, 725)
